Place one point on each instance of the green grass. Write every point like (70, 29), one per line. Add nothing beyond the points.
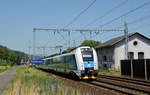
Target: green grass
(5, 68)
(4, 65)
(30, 81)
(113, 73)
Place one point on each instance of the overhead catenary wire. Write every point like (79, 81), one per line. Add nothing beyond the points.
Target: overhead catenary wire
(107, 13)
(97, 33)
(45, 47)
(48, 41)
(133, 10)
(82, 12)
(140, 19)
(76, 18)
(125, 14)
(141, 27)
(62, 36)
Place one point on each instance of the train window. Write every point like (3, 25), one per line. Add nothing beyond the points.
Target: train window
(70, 62)
(68, 59)
(86, 49)
(47, 61)
(73, 64)
(50, 61)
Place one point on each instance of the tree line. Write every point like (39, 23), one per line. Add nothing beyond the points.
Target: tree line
(91, 43)
(10, 57)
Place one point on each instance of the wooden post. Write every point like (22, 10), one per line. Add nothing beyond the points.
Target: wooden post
(131, 68)
(145, 69)
(120, 67)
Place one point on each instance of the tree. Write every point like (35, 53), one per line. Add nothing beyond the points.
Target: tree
(11, 57)
(4, 52)
(90, 43)
(70, 48)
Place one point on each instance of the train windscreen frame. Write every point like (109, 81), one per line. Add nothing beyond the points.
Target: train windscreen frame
(87, 54)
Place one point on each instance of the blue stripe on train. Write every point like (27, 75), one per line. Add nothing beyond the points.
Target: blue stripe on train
(88, 64)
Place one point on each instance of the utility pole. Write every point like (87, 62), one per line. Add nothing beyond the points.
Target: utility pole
(44, 52)
(44, 48)
(69, 38)
(74, 43)
(126, 40)
(90, 35)
(29, 55)
(33, 55)
(60, 48)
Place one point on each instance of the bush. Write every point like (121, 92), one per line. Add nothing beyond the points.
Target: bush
(3, 63)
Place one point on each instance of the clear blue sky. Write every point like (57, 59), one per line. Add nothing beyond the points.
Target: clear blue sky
(18, 17)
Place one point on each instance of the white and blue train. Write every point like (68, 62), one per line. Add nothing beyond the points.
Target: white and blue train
(80, 62)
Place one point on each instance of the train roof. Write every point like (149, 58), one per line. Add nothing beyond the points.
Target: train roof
(65, 51)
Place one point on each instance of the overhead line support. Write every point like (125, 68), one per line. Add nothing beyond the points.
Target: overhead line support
(85, 30)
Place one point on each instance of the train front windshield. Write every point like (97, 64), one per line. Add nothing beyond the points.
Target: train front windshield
(87, 54)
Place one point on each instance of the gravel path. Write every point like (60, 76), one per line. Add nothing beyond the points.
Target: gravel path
(5, 78)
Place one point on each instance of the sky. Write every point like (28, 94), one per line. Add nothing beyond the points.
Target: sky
(19, 17)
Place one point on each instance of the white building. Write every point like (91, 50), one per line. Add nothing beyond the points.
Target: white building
(111, 52)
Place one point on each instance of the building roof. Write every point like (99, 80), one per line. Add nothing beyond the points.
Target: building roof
(114, 41)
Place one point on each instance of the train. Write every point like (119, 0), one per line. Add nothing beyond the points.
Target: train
(80, 62)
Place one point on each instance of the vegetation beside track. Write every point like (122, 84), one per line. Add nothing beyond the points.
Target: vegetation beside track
(30, 81)
(110, 73)
(4, 68)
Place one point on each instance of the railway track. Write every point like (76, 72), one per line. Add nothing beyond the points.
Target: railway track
(124, 85)
(119, 88)
(128, 80)
(104, 86)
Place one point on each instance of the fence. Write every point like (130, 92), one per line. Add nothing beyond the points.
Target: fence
(136, 68)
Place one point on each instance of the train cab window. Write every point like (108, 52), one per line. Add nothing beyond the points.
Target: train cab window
(87, 54)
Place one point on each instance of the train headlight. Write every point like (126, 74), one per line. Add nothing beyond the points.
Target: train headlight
(95, 64)
(82, 66)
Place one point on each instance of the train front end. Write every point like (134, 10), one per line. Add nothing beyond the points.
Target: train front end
(88, 63)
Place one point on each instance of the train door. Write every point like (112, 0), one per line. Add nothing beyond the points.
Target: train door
(65, 66)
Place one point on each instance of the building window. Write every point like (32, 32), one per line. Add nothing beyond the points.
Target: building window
(104, 58)
(140, 55)
(130, 55)
(135, 43)
(110, 59)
